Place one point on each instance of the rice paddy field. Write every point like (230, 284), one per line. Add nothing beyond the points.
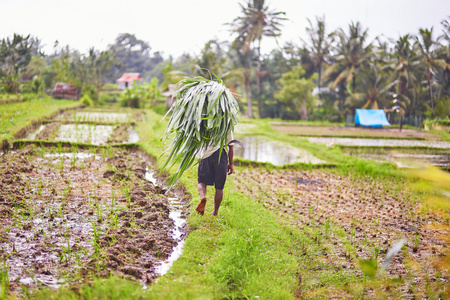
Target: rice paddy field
(86, 214)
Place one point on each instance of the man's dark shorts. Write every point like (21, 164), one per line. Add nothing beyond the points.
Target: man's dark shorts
(213, 172)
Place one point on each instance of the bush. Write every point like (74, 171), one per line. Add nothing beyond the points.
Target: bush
(110, 87)
(131, 98)
(37, 85)
(86, 100)
(106, 97)
(160, 109)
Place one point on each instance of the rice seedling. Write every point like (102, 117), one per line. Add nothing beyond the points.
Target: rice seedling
(203, 115)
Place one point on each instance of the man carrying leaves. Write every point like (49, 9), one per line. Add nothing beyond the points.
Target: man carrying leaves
(212, 170)
(202, 122)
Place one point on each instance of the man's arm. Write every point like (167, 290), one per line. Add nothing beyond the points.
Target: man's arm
(230, 160)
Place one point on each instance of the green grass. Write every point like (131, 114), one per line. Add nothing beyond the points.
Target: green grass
(243, 253)
(231, 256)
(246, 252)
(14, 116)
(445, 136)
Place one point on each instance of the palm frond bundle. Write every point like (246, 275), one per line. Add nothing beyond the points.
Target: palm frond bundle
(203, 114)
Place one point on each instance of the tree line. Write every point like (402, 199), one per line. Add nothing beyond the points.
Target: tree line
(326, 77)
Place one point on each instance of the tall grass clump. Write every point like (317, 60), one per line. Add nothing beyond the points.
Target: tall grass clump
(203, 115)
(86, 100)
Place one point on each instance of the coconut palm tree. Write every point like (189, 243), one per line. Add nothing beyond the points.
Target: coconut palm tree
(406, 64)
(256, 22)
(427, 47)
(375, 88)
(352, 55)
(319, 46)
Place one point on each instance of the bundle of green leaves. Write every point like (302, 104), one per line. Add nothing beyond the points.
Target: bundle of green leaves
(202, 116)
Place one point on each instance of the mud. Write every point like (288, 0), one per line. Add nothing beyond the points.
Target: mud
(403, 157)
(120, 134)
(340, 131)
(47, 133)
(68, 216)
(367, 214)
(378, 142)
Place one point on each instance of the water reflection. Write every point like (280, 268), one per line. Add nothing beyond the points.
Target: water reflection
(33, 135)
(93, 134)
(176, 214)
(261, 149)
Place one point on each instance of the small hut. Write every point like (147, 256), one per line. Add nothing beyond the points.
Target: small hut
(127, 80)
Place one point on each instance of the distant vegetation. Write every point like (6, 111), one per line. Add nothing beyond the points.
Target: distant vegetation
(409, 76)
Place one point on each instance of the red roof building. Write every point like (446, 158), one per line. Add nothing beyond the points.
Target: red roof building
(127, 80)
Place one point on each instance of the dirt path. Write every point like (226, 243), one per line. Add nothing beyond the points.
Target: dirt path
(68, 216)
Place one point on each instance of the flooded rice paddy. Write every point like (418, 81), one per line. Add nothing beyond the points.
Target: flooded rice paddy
(85, 133)
(260, 149)
(354, 132)
(71, 214)
(378, 142)
(404, 158)
(97, 117)
(80, 133)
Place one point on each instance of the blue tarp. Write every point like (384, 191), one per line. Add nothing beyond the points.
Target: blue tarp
(371, 118)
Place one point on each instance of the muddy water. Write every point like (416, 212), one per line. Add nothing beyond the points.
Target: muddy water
(403, 157)
(92, 134)
(177, 214)
(133, 136)
(378, 142)
(33, 135)
(105, 117)
(72, 215)
(261, 149)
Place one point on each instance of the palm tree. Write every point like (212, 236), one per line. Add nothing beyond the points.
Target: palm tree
(426, 45)
(319, 48)
(375, 88)
(352, 55)
(256, 22)
(406, 65)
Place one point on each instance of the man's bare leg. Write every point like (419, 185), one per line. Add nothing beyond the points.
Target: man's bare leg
(202, 191)
(218, 196)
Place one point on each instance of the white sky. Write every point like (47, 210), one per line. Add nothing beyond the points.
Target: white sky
(177, 26)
